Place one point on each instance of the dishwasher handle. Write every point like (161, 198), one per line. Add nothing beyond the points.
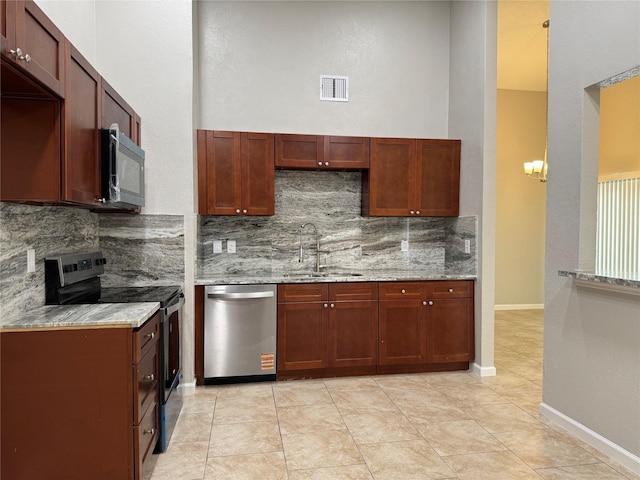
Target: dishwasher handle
(239, 296)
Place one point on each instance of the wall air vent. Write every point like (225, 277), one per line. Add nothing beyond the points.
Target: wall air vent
(334, 88)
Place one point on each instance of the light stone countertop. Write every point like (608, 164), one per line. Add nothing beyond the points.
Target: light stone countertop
(105, 315)
(330, 277)
(627, 284)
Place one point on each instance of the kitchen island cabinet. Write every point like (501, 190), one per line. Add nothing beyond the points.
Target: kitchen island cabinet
(79, 403)
(412, 178)
(327, 329)
(235, 173)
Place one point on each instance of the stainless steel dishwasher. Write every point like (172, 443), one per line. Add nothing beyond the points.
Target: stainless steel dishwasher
(239, 333)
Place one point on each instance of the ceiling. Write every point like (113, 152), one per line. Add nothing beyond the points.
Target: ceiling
(522, 45)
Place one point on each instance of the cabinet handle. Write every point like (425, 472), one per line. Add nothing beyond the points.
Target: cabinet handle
(26, 57)
(430, 302)
(149, 432)
(326, 164)
(319, 164)
(237, 210)
(244, 211)
(15, 52)
(151, 335)
(151, 377)
(325, 305)
(333, 305)
(451, 290)
(403, 291)
(417, 212)
(424, 303)
(412, 212)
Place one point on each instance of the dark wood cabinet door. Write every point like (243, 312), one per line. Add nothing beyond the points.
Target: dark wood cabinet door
(403, 335)
(391, 178)
(302, 336)
(258, 194)
(450, 336)
(299, 151)
(353, 333)
(116, 110)
(223, 173)
(81, 124)
(438, 177)
(346, 153)
(40, 42)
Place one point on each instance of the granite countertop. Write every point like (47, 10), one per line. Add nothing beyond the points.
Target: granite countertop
(325, 277)
(107, 315)
(626, 282)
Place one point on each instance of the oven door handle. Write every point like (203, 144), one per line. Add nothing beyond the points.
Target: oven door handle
(240, 296)
(171, 309)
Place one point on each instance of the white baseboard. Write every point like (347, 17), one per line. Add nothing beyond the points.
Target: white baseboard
(617, 453)
(187, 388)
(476, 369)
(520, 306)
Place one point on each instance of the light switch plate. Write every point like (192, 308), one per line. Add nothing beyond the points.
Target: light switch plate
(217, 246)
(31, 260)
(231, 246)
(467, 246)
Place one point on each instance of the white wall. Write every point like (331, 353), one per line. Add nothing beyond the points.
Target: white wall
(260, 67)
(592, 340)
(472, 117)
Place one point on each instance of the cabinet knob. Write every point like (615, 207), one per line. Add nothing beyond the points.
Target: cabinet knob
(244, 211)
(151, 335)
(26, 57)
(417, 212)
(325, 305)
(451, 290)
(151, 377)
(149, 432)
(403, 291)
(333, 305)
(319, 164)
(13, 52)
(412, 212)
(237, 210)
(424, 303)
(326, 164)
(430, 302)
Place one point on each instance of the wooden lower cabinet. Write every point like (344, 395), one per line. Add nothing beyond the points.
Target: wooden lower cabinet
(79, 403)
(364, 328)
(325, 329)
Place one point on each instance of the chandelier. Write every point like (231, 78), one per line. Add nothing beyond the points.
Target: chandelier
(538, 168)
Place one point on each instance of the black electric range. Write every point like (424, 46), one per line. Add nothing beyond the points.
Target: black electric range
(74, 279)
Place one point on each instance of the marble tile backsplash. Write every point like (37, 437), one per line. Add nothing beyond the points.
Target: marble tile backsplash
(140, 249)
(349, 242)
(47, 230)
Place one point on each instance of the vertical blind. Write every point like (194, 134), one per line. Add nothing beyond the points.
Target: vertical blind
(618, 228)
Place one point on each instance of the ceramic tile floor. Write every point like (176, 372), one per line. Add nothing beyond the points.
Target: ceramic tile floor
(419, 426)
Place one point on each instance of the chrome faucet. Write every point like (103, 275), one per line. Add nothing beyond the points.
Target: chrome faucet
(318, 251)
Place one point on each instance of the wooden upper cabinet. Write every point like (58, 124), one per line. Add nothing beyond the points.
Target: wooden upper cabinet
(317, 152)
(389, 186)
(410, 177)
(235, 173)
(438, 177)
(116, 110)
(80, 127)
(34, 43)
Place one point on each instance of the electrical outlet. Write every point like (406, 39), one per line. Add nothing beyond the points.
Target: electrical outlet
(31, 260)
(217, 246)
(467, 246)
(404, 245)
(231, 246)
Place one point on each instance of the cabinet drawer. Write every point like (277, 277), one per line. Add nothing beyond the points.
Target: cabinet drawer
(453, 289)
(145, 390)
(346, 292)
(145, 436)
(302, 292)
(402, 290)
(145, 337)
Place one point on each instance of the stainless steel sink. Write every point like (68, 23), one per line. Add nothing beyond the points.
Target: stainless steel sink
(321, 274)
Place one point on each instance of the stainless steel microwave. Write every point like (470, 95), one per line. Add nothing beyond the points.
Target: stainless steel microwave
(122, 170)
